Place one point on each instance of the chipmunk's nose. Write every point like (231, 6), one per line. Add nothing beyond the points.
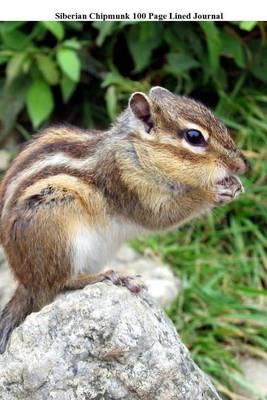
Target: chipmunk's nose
(242, 165)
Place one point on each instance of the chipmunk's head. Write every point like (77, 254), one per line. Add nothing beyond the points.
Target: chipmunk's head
(181, 139)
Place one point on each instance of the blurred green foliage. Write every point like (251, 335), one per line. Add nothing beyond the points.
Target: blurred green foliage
(83, 72)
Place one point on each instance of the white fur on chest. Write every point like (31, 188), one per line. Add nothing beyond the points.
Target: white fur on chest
(92, 248)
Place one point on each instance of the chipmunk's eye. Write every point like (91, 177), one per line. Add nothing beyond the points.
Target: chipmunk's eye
(194, 137)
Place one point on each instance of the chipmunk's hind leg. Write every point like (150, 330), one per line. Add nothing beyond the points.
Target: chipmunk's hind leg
(81, 281)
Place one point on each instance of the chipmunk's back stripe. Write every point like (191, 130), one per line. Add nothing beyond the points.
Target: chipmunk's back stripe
(46, 166)
(84, 176)
(73, 148)
(79, 151)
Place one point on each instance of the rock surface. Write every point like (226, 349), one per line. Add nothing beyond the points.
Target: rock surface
(7, 283)
(255, 372)
(102, 342)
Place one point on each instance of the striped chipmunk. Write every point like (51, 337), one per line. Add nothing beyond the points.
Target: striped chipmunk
(72, 196)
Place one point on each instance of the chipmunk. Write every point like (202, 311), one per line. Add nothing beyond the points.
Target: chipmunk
(72, 196)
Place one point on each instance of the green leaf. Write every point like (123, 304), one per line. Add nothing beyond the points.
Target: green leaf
(142, 40)
(105, 30)
(14, 66)
(67, 87)
(179, 63)
(247, 25)
(4, 59)
(15, 40)
(259, 67)
(182, 38)
(112, 102)
(232, 47)
(213, 42)
(74, 25)
(123, 84)
(251, 291)
(48, 68)
(11, 26)
(87, 118)
(69, 63)
(72, 44)
(39, 101)
(56, 28)
(12, 100)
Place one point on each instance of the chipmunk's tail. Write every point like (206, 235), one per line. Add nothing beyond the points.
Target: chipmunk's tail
(13, 314)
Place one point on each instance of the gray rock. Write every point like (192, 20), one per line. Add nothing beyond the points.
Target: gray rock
(7, 285)
(100, 343)
(7, 282)
(2, 256)
(255, 372)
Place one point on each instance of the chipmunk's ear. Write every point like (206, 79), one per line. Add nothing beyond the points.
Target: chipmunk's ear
(140, 105)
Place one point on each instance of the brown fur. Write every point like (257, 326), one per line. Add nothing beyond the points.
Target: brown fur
(139, 171)
(71, 145)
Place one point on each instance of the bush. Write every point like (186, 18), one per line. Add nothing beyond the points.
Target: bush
(83, 72)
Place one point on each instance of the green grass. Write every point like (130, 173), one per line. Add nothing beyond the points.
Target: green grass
(221, 260)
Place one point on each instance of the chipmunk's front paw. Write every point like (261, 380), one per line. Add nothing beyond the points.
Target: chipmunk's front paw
(228, 189)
